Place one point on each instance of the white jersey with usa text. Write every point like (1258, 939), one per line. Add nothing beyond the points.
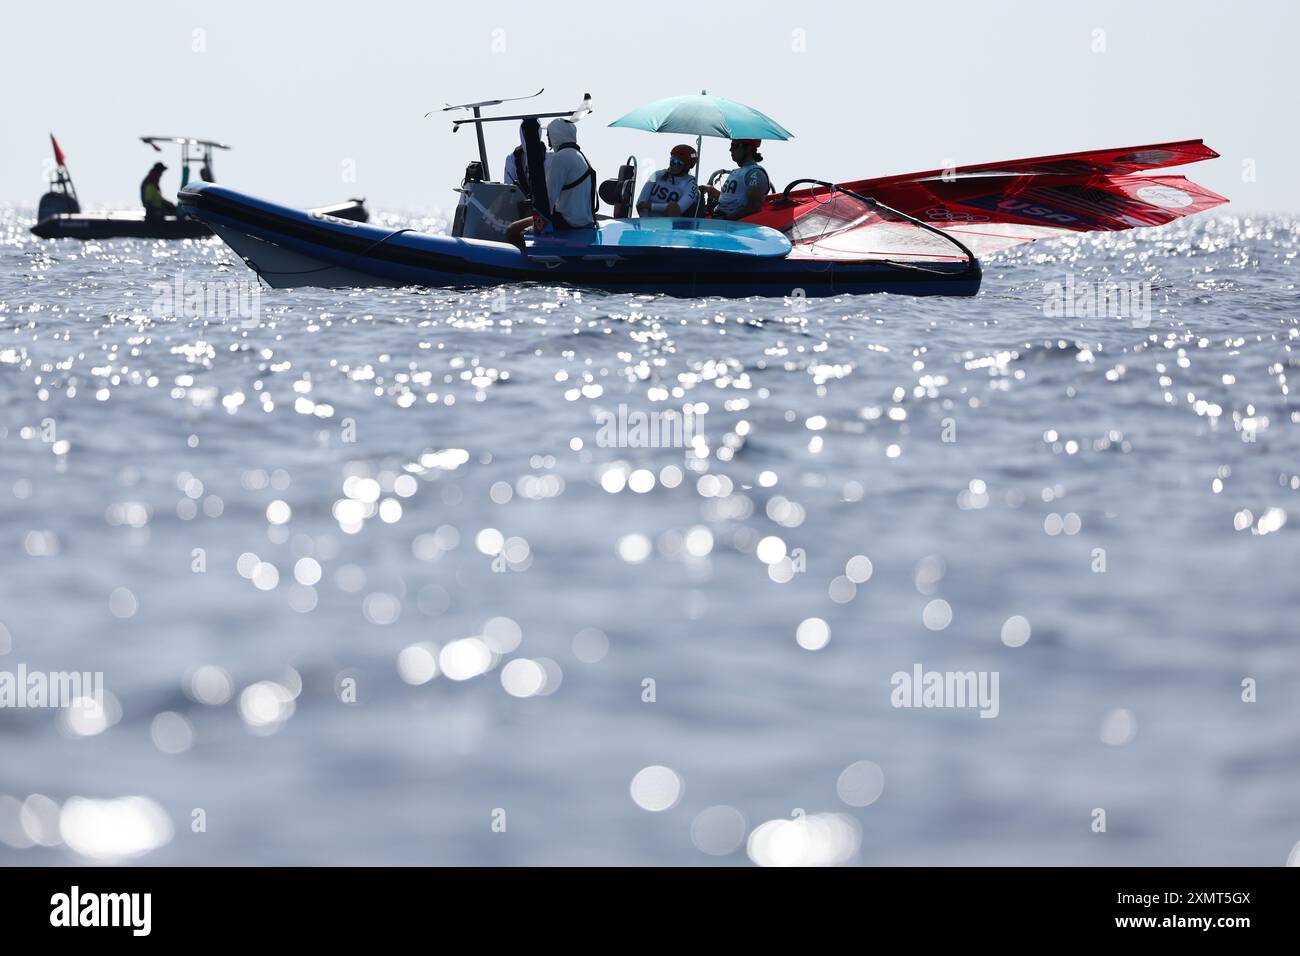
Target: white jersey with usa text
(738, 183)
(664, 187)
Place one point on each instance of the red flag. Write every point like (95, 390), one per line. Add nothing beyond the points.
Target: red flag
(58, 153)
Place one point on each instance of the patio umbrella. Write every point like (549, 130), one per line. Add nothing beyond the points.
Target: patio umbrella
(703, 115)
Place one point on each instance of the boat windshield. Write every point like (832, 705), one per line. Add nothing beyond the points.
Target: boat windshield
(826, 213)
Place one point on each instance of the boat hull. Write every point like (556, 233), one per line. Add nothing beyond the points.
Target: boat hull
(132, 224)
(290, 248)
(114, 225)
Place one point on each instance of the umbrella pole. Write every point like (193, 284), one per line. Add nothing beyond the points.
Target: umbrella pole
(699, 146)
(699, 153)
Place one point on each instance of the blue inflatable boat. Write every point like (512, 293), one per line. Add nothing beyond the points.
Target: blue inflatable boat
(683, 257)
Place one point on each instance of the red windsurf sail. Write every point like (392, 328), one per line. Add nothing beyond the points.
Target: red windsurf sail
(1097, 162)
(995, 205)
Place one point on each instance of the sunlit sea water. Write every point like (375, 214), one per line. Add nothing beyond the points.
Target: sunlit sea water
(265, 531)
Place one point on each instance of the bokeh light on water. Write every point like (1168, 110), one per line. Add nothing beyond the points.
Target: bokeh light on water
(365, 569)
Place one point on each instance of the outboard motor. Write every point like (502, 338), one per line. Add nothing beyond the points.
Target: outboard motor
(621, 191)
(55, 203)
(486, 210)
(62, 197)
(473, 178)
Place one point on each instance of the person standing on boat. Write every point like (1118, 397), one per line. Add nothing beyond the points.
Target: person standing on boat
(151, 194)
(746, 187)
(672, 191)
(570, 186)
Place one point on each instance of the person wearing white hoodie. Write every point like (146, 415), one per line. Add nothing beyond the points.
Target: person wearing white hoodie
(570, 184)
(570, 179)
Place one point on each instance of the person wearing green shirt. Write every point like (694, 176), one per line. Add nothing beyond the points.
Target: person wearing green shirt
(151, 197)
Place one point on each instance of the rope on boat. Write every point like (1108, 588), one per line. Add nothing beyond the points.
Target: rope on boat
(325, 268)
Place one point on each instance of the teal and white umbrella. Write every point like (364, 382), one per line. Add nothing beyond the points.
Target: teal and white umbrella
(704, 115)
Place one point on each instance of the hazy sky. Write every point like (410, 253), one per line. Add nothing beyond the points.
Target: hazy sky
(867, 88)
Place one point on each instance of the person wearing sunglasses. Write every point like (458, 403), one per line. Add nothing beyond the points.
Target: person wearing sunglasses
(672, 191)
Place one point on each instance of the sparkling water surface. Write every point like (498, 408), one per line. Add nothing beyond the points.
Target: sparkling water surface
(367, 584)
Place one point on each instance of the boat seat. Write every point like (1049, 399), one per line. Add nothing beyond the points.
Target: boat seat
(612, 192)
(619, 192)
